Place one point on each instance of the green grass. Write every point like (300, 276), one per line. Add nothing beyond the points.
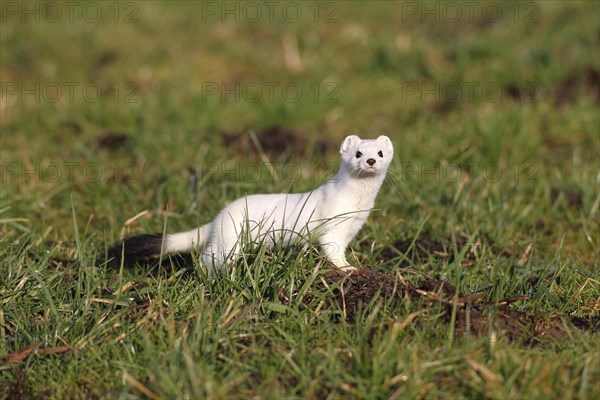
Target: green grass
(505, 173)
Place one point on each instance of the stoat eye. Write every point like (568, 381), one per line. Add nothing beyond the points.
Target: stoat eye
(358, 154)
(380, 153)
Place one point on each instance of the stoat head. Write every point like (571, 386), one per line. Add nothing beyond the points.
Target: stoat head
(363, 158)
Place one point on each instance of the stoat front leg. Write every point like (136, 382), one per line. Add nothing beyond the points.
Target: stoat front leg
(334, 250)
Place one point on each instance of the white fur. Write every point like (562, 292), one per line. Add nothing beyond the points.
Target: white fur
(332, 214)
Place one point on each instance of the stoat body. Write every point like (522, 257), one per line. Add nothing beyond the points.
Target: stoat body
(330, 215)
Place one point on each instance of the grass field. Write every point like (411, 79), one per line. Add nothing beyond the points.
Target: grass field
(480, 264)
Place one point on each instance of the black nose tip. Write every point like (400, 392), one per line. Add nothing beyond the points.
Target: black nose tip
(371, 161)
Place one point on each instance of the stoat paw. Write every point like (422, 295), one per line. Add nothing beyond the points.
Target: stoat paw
(347, 270)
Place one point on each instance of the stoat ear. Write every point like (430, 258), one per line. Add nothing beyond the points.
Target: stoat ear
(349, 143)
(384, 140)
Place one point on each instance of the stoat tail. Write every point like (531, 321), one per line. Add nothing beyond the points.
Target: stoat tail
(139, 247)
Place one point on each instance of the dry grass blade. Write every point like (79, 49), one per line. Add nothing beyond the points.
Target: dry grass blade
(430, 294)
(471, 298)
(33, 348)
(126, 286)
(512, 299)
(132, 220)
(21, 354)
(486, 374)
(525, 256)
(139, 386)
(291, 55)
(580, 290)
(408, 320)
(282, 297)
(109, 301)
(17, 288)
(55, 350)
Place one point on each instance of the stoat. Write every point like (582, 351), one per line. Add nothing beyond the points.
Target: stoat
(330, 215)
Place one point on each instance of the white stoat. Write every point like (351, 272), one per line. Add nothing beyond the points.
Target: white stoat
(331, 214)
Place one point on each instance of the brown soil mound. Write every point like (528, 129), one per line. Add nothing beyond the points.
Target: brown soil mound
(474, 316)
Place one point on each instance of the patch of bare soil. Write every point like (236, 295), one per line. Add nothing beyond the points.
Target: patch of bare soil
(474, 316)
(277, 142)
(19, 387)
(111, 140)
(444, 248)
(573, 86)
(572, 196)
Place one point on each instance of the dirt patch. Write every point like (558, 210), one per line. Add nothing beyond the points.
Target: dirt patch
(522, 93)
(277, 139)
(480, 320)
(20, 387)
(577, 84)
(426, 245)
(360, 288)
(55, 263)
(60, 263)
(443, 106)
(102, 61)
(571, 195)
(542, 226)
(443, 248)
(111, 140)
(277, 142)
(589, 324)
(474, 315)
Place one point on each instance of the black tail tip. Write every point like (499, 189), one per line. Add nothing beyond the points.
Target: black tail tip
(134, 248)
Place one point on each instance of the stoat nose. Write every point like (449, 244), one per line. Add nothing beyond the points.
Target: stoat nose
(371, 161)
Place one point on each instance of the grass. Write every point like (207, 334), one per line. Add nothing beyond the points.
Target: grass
(490, 194)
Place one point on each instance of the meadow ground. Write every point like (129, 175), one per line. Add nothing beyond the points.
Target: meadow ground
(479, 266)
